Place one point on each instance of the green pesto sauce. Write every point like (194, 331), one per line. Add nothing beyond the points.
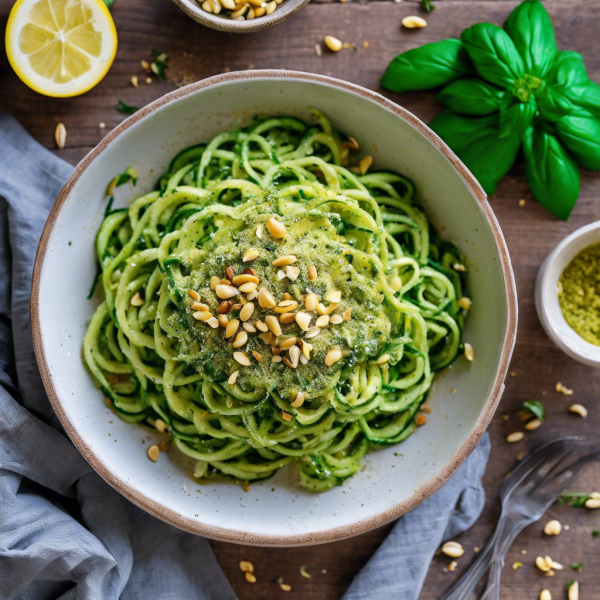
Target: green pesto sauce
(314, 240)
(579, 294)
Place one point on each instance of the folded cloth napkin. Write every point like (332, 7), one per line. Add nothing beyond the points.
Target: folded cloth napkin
(64, 532)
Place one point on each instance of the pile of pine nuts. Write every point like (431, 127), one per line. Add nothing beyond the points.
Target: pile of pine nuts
(241, 10)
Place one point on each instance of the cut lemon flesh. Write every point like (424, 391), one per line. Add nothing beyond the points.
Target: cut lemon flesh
(60, 47)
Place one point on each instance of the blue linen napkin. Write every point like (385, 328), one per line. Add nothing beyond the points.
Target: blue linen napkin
(65, 533)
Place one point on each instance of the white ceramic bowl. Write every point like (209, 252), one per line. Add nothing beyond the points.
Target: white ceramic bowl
(546, 295)
(274, 512)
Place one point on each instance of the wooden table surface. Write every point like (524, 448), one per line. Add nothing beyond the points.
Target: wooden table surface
(196, 52)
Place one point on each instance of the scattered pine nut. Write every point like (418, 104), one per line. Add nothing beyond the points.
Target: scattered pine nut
(533, 424)
(160, 425)
(273, 324)
(231, 381)
(517, 436)
(250, 578)
(464, 303)
(285, 587)
(336, 319)
(242, 358)
(469, 352)
(365, 164)
(420, 420)
(413, 22)
(332, 43)
(246, 566)
(453, 549)
(303, 320)
(299, 401)
(240, 339)
(276, 228)
(396, 284)
(249, 327)
(283, 261)
(312, 332)
(318, 51)
(153, 452)
(552, 527)
(265, 300)
(578, 409)
(134, 81)
(348, 315)
(573, 593)
(247, 311)
(545, 595)
(137, 300)
(459, 267)
(214, 282)
(452, 566)
(292, 272)
(60, 135)
(333, 356)
(521, 202)
(250, 255)
(322, 321)
(312, 273)
(286, 416)
(295, 353)
(592, 503)
(257, 355)
(231, 328)
(213, 322)
(194, 295)
(201, 315)
(287, 344)
(517, 565)
(563, 390)
(287, 318)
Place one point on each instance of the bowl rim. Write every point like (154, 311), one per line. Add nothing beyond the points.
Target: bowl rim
(343, 531)
(546, 295)
(195, 11)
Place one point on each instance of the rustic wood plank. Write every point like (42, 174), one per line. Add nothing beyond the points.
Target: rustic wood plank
(196, 53)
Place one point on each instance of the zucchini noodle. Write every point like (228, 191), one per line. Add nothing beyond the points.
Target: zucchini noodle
(319, 396)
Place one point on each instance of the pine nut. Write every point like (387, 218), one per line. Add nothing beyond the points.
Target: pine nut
(281, 275)
(412, 22)
(238, 13)
(334, 297)
(60, 135)
(250, 578)
(286, 306)
(552, 527)
(251, 295)
(283, 261)
(286, 587)
(295, 359)
(336, 319)
(245, 565)
(213, 322)
(382, 360)
(533, 424)
(469, 352)
(225, 291)
(214, 282)
(247, 311)
(231, 328)
(545, 595)
(276, 228)
(265, 300)
(223, 308)
(287, 296)
(287, 344)
(287, 318)
(292, 273)
(323, 310)
(517, 436)
(261, 326)
(235, 307)
(260, 232)
(333, 43)
(194, 295)
(201, 315)
(311, 302)
(153, 452)
(249, 327)
(396, 284)
(592, 503)
(348, 315)
(299, 401)
(453, 549)
(277, 359)
(365, 164)
(244, 278)
(541, 564)
(242, 358)
(250, 271)
(464, 303)
(247, 287)
(271, 6)
(266, 337)
(233, 378)
(275, 350)
(257, 355)
(312, 332)
(240, 339)
(452, 566)
(228, 4)
(137, 300)
(332, 357)
(273, 324)
(252, 254)
(322, 321)
(578, 409)
(200, 306)
(223, 320)
(573, 593)
(286, 416)
(312, 273)
(303, 320)
(251, 14)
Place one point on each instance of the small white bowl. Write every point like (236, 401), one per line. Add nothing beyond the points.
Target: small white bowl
(546, 296)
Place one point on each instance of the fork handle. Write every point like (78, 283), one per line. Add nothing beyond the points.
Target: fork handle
(465, 586)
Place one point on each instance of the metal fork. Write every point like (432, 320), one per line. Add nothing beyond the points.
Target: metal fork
(526, 494)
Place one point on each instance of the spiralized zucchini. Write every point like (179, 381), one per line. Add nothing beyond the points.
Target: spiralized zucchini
(397, 321)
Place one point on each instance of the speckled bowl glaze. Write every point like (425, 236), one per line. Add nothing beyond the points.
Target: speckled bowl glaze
(274, 512)
(223, 23)
(546, 295)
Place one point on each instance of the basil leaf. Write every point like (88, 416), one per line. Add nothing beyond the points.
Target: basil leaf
(581, 136)
(551, 172)
(108, 3)
(536, 408)
(517, 117)
(477, 144)
(471, 97)
(427, 67)
(531, 29)
(568, 69)
(127, 109)
(493, 53)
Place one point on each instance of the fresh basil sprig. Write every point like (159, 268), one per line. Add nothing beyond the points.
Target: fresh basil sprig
(510, 89)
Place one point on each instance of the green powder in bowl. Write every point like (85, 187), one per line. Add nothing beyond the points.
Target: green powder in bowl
(579, 294)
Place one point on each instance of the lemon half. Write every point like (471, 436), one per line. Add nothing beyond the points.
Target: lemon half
(60, 48)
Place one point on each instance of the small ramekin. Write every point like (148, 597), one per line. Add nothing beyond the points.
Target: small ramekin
(546, 295)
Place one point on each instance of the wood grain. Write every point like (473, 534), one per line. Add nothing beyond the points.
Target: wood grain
(197, 52)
